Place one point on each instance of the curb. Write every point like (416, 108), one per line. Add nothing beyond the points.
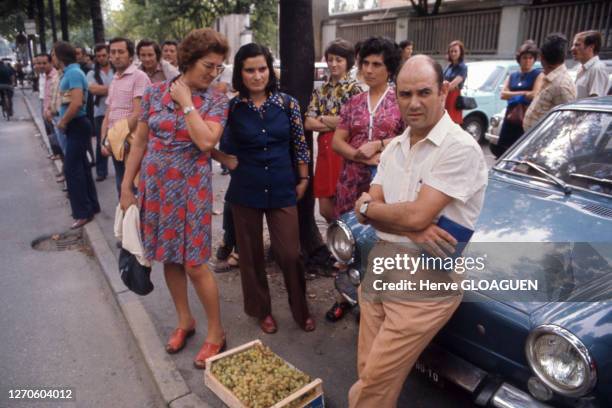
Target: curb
(169, 381)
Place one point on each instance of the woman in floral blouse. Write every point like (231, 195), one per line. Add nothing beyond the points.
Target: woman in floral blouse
(323, 116)
(366, 121)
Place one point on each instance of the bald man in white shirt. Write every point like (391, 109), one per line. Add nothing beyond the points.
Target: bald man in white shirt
(432, 169)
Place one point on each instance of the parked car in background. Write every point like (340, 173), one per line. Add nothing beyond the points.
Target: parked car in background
(484, 83)
(495, 124)
(321, 73)
(551, 193)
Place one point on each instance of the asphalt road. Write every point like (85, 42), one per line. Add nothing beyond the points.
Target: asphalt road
(59, 325)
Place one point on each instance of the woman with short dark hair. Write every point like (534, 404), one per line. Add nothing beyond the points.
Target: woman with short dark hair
(74, 122)
(181, 122)
(323, 115)
(455, 73)
(519, 90)
(367, 120)
(264, 131)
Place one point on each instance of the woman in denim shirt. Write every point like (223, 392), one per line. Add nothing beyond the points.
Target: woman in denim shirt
(266, 135)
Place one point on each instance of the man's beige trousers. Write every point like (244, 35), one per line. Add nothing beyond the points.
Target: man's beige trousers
(392, 335)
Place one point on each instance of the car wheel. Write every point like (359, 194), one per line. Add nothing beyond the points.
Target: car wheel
(475, 126)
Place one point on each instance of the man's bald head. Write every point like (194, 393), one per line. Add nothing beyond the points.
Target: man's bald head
(421, 94)
(420, 61)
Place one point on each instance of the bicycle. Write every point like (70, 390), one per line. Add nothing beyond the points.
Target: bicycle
(6, 101)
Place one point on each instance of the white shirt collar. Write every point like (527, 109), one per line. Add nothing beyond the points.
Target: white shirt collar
(589, 64)
(436, 135)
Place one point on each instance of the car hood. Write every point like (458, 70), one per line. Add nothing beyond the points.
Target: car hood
(532, 233)
(476, 93)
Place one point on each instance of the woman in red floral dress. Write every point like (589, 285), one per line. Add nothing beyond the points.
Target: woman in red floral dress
(182, 120)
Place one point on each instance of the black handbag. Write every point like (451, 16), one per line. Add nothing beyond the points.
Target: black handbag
(465, 103)
(135, 276)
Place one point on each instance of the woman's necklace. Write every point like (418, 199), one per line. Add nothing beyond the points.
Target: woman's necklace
(373, 112)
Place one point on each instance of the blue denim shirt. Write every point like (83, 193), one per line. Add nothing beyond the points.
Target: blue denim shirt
(452, 71)
(268, 142)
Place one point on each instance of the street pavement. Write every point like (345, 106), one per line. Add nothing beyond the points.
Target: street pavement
(59, 326)
(328, 353)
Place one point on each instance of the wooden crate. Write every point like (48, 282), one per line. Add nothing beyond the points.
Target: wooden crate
(225, 395)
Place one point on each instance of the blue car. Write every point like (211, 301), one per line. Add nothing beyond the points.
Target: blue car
(547, 215)
(485, 82)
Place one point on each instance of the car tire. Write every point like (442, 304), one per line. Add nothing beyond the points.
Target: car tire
(475, 126)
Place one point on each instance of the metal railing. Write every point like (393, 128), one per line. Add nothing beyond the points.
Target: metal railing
(478, 30)
(569, 19)
(355, 32)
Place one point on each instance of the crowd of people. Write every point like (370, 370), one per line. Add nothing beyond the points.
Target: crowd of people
(383, 115)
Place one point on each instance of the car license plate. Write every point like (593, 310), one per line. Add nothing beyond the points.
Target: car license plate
(429, 373)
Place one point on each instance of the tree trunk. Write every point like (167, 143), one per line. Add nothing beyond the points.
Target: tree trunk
(52, 15)
(31, 10)
(40, 6)
(64, 20)
(297, 76)
(97, 21)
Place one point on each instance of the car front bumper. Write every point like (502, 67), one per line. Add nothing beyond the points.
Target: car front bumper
(486, 390)
(492, 138)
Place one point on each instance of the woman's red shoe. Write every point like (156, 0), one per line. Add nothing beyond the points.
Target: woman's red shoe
(178, 338)
(208, 350)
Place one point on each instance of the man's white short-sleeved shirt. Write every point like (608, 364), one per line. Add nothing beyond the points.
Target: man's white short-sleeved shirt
(448, 160)
(592, 79)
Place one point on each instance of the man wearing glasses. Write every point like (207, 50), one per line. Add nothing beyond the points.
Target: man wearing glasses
(124, 94)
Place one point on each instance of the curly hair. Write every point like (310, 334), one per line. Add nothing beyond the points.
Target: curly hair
(199, 43)
(390, 51)
(528, 47)
(553, 49)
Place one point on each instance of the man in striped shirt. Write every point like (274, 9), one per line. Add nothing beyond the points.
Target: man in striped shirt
(124, 95)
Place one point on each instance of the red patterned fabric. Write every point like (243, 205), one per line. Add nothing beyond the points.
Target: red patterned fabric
(175, 187)
(355, 118)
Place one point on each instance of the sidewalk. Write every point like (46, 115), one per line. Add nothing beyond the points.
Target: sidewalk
(58, 327)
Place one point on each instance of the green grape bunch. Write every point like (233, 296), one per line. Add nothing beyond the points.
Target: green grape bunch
(258, 377)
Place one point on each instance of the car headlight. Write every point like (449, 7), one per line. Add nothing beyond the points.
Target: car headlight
(340, 242)
(354, 276)
(495, 120)
(560, 360)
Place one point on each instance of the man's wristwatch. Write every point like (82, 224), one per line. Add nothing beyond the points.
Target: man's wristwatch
(188, 109)
(364, 208)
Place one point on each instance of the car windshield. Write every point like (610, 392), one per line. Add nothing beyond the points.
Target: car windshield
(483, 76)
(573, 146)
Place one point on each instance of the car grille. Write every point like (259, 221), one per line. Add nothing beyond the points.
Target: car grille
(598, 210)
